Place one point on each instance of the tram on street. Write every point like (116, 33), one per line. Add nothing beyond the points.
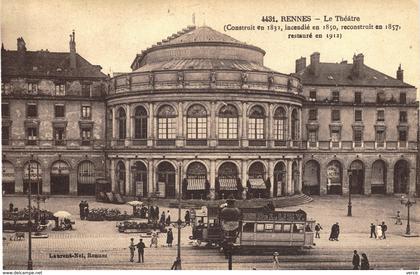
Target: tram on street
(259, 228)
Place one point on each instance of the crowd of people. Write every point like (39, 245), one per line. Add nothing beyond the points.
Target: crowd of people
(378, 231)
(362, 264)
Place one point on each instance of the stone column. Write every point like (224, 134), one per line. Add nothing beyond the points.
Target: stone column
(212, 178)
(180, 136)
(150, 176)
(19, 179)
(289, 126)
(412, 182)
(128, 136)
(323, 179)
(270, 175)
(367, 185)
(269, 136)
(244, 124)
(300, 177)
(213, 131)
(345, 181)
(72, 181)
(114, 127)
(390, 180)
(244, 173)
(112, 175)
(289, 183)
(128, 185)
(150, 125)
(46, 179)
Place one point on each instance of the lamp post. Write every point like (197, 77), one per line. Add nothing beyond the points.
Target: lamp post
(350, 172)
(408, 202)
(230, 217)
(30, 264)
(177, 264)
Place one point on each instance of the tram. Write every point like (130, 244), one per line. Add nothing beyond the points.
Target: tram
(259, 228)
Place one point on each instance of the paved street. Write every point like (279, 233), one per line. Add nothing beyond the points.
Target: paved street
(102, 238)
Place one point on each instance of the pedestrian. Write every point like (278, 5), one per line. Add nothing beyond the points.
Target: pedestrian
(86, 214)
(276, 263)
(151, 213)
(356, 260)
(162, 218)
(156, 214)
(335, 231)
(132, 248)
(11, 206)
(317, 229)
(169, 237)
(154, 240)
(81, 210)
(379, 232)
(384, 228)
(187, 217)
(168, 218)
(372, 231)
(140, 250)
(364, 263)
(398, 218)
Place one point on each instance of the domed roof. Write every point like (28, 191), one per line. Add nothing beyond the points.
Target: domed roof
(203, 34)
(199, 43)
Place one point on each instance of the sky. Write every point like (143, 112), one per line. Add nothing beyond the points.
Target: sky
(110, 33)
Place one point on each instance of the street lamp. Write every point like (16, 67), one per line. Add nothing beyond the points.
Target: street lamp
(30, 264)
(177, 264)
(350, 172)
(230, 217)
(408, 202)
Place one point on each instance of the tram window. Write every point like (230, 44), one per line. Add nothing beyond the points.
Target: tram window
(260, 227)
(248, 227)
(298, 228)
(286, 227)
(277, 227)
(269, 227)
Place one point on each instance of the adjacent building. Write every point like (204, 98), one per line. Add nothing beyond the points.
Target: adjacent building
(200, 114)
(52, 121)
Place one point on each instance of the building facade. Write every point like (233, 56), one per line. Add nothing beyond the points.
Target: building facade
(200, 114)
(52, 121)
(360, 127)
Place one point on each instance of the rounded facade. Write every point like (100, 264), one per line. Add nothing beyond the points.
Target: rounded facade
(201, 114)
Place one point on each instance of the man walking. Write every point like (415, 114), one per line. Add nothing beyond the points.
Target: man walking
(317, 229)
(169, 237)
(372, 231)
(384, 228)
(356, 260)
(82, 210)
(168, 219)
(140, 249)
(132, 248)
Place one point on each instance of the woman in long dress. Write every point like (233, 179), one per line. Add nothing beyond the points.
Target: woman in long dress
(276, 263)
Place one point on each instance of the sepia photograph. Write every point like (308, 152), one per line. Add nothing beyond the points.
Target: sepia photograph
(210, 135)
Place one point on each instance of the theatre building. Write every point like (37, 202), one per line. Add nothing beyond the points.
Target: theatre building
(52, 121)
(360, 128)
(201, 108)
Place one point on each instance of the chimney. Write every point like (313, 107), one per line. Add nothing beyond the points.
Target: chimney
(400, 74)
(300, 64)
(72, 44)
(314, 66)
(358, 63)
(21, 45)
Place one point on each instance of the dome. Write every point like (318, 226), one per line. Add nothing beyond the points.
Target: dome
(200, 48)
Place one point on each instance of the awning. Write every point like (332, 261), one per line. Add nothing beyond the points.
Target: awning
(257, 183)
(228, 184)
(196, 184)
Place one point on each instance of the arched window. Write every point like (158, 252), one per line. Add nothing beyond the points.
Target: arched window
(280, 124)
(295, 125)
(196, 122)
(256, 123)
(140, 123)
(228, 122)
(166, 122)
(256, 171)
(122, 126)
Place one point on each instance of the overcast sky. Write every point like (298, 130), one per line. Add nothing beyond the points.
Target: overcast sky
(110, 33)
